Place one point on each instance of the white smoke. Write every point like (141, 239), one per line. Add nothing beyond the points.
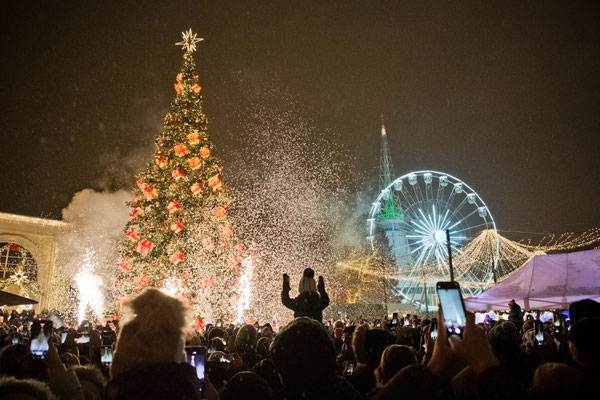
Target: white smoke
(88, 250)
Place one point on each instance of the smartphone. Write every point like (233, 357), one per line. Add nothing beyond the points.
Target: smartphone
(195, 357)
(556, 320)
(82, 339)
(453, 308)
(379, 324)
(395, 319)
(39, 346)
(108, 337)
(350, 369)
(539, 333)
(225, 360)
(406, 321)
(433, 330)
(259, 330)
(15, 340)
(106, 355)
(63, 337)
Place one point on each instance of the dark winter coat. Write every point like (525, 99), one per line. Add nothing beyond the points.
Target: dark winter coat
(307, 304)
(158, 381)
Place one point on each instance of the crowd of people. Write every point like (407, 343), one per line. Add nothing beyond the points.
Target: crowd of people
(151, 355)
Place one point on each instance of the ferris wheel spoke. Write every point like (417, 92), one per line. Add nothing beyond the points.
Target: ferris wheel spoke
(425, 220)
(440, 193)
(407, 196)
(444, 223)
(469, 228)
(457, 209)
(463, 218)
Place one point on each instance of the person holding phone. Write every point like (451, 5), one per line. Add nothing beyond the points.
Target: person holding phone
(312, 298)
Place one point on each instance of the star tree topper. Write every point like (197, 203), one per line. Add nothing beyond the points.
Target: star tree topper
(189, 41)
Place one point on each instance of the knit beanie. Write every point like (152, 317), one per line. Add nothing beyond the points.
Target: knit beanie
(556, 381)
(307, 282)
(504, 337)
(246, 338)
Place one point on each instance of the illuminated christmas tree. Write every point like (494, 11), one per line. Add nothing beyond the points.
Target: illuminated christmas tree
(180, 237)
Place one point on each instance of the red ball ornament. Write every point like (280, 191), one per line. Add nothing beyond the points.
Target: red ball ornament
(194, 137)
(177, 257)
(197, 88)
(178, 87)
(142, 185)
(143, 280)
(219, 212)
(181, 150)
(180, 77)
(150, 193)
(194, 163)
(161, 161)
(177, 173)
(145, 247)
(204, 152)
(124, 264)
(177, 227)
(173, 206)
(132, 234)
(196, 188)
(215, 182)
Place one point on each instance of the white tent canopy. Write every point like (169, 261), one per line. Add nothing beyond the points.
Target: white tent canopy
(545, 282)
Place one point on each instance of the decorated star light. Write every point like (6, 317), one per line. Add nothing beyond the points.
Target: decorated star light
(19, 278)
(189, 41)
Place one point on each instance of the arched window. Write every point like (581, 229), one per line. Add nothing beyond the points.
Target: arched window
(17, 265)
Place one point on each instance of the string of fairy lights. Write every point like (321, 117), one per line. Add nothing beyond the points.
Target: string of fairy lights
(511, 256)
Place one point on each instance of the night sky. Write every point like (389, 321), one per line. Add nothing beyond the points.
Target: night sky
(504, 95)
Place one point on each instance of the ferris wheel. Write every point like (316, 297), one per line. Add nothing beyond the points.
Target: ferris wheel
(414, 212)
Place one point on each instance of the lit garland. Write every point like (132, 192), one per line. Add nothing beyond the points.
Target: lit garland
(467, 263)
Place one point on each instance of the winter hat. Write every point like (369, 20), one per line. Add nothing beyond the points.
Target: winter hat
(556, 380)
(246, 338)
(584, 335)
(218, 332)
(262, 346)
(307, 282)
(247, 385)
(527, 325)
(586, 308)
(504, 337)
(154, 333)
(303, 354)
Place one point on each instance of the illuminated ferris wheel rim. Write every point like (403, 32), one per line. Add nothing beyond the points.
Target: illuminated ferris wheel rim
(375, 206)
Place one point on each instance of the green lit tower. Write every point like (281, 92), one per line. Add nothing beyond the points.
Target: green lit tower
(391, 216)
(390, 207)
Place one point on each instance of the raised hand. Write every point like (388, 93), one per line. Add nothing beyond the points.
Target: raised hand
(474, 347)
